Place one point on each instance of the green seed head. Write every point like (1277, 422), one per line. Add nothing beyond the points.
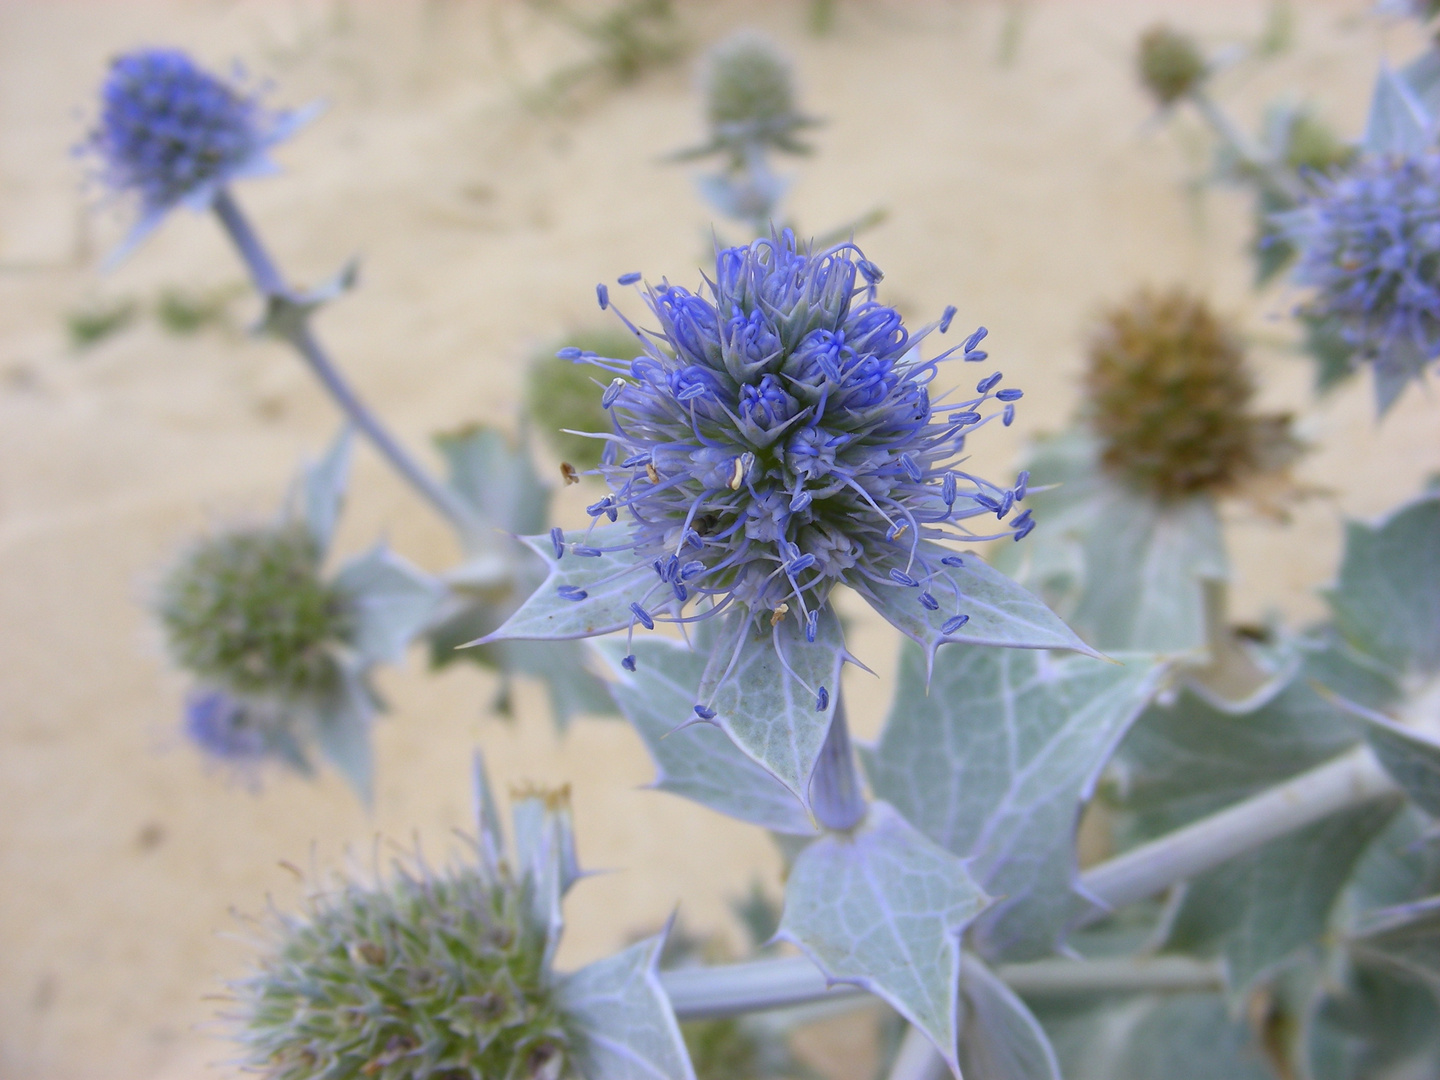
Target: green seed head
(1169, 396)
(562, 394)
(1171, 64)
(248, 611)
(426, 976)
(748, 81)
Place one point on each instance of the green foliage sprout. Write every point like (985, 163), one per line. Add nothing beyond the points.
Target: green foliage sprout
(426, 976)
(248, 610)
(1169, 396)
(561, 394)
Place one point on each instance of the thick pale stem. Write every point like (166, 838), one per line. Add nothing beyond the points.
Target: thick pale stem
(271, 285)
(1352, 779)
(1271, 174)
(835, 795)
(918, 1059)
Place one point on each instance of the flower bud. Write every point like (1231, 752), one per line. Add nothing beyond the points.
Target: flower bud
(1170, 64)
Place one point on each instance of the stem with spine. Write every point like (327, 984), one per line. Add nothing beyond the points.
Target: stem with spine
(1350, 780)
(295, 329)
(1270, 174)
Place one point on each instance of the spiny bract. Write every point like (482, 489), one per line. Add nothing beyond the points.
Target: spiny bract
(778, 437)
(1369, 244)
(431, 975)
(169, 130)
(1169, 397)
(248, 611)
(1170, 64)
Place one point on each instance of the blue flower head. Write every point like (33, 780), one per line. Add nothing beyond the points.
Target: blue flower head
(172, 134)
(1369, 244)
(777, 437)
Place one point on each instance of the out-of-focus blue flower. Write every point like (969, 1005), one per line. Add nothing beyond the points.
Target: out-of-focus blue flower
(172, 134)
(1369, 244)
(224, 728)
(778, 437)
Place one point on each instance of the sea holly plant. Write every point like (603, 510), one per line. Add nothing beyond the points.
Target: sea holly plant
(776, 437)
(1130, 549)
(450, 973)
(281, 651)
(170, 135)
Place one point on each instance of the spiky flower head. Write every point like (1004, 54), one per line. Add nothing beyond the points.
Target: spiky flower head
(171, 133)
(248, 611)
(1169, 397)
(426, 975)
(1369, 242)
(777, 437)
(562, 397)
(447, 975)
(1170, 64)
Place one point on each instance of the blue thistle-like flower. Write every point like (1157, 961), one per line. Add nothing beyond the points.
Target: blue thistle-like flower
(777, 438)
(172, 134)
(1369, 244)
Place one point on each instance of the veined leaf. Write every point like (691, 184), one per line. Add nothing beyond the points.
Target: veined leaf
(884, 908)
(765, 690)
(999, 1038)
(620, 1021)
(995, 762)
(391, 601)
(697, 761)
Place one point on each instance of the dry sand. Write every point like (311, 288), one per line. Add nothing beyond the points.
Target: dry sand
(1026, 192)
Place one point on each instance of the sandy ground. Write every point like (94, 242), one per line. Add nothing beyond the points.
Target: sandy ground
(1026, 192)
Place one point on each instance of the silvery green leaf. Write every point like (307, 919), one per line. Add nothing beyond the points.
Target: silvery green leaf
(1065, 483)
(619, 1020)
(1000, 611)
(994, 763)
(561, 667)
(611, 582)
(765, 690)
(883, 908)
(390, 600)
(1187, 758)
(342, 730)
(1387, 599)
(1145, 568)
(1377, 1025)
(1262, 908)
(1186, 1036)
(697, 761)
(1401, 865)
(322, 489)
(497, 481)
(1410, 756)
(1398, 122)
(1406, 936)
(999, 1038)
(545, 856)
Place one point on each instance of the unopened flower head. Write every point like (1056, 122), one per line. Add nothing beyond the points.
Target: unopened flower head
(777, 437)
(170, 132)
(1169, 398)
(430, 974)
(248, 611)
(750, 94)
(1369, 245)
(1171, 65)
